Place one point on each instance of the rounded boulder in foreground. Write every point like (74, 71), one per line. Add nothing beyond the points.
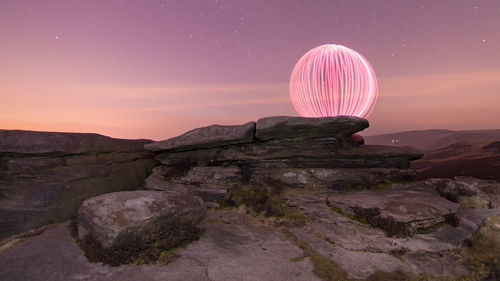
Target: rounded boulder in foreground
(115, 219)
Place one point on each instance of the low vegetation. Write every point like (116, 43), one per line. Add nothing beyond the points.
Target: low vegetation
(262, 197)
(323, 267)
(483, 250)
(372, 217)
(389, 225)
(383, 185)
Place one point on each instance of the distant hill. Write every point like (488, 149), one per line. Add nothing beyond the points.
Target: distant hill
(450, 153)
(428, 140)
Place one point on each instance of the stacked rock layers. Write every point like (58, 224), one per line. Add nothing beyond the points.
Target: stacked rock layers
(300, 152)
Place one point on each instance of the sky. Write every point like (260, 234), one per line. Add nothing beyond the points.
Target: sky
(158, 68)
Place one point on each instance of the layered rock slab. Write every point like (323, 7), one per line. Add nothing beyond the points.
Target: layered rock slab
(361, 248)
(210, 183)
(403, 211)
(288, 127)
(467, 191)
(113, 219)
(45, 176)
(207, 137)
(34, 142)
(300, 152)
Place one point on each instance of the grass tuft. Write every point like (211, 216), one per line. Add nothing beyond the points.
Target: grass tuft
(263, 197)
(483, 251)
(322, 267)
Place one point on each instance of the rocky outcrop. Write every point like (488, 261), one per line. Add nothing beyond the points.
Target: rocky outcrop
(300, 152)
(467, 191)
(400, 213)
(45, 176)
(287, 127)
(361, 230)
(324, 227)
(115, 219)
(207, 137)
(237, 246)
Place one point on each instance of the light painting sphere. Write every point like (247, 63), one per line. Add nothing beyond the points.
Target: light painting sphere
(332, 80)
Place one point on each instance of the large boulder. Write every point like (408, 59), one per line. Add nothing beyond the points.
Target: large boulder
(44, 176)
(206, 137)
(114, 219)
(287, 127)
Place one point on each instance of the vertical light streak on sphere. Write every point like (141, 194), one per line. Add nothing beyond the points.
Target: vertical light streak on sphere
(332, 80)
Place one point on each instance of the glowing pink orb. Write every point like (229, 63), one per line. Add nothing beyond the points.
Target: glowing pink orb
(332, 80)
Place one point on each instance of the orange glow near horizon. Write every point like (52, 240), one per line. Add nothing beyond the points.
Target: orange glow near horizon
(406, 103)
(154, 69)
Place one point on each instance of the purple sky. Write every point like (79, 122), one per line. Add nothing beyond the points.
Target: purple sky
(155, 69)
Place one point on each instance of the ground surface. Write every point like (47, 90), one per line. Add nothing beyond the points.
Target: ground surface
(238, 246)
(225, 252)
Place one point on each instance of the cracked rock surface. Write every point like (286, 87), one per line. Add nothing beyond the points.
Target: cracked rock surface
(238, 246)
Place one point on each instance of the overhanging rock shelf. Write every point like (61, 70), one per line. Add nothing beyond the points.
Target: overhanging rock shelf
(301, 152)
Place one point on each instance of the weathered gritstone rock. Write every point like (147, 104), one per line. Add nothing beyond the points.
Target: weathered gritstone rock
(287, 127)
(207, 137)
(398, 212)
(235, 246)
(43, 143)
(468, 191)
(300, 152)
(45, 176)
(224, 252)
(337, 179)
(114, 219)
(362, 249)
(210, 183)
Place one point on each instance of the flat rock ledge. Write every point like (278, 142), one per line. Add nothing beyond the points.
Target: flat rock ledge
(237, 246)
(288, 127)
(115, 219)
(399, 212)
(206, 137)
(300, 152)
